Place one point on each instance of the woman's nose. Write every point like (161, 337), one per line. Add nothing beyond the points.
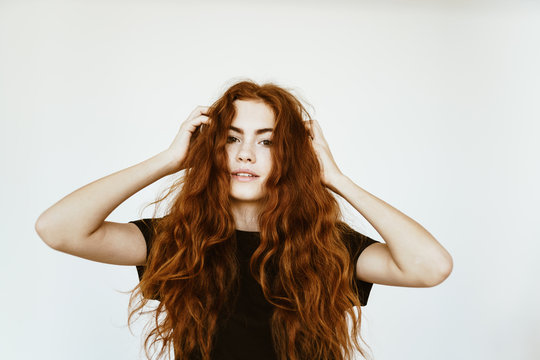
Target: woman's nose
(246, 154)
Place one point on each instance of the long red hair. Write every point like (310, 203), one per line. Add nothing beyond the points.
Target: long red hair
(302, 265)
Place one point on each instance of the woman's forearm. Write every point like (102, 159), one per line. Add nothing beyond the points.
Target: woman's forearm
(79, 214)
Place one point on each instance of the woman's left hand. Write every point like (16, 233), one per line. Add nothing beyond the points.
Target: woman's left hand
(329, 168)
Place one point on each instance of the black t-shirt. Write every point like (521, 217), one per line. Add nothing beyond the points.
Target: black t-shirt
(246, 334)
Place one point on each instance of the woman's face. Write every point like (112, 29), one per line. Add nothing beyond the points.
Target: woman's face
(248, 148)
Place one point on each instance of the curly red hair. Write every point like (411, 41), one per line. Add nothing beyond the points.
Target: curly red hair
(303, 267)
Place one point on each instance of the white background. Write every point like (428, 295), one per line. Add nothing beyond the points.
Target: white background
(431, 106)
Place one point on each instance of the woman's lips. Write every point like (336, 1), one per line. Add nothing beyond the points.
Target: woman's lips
(244, 178)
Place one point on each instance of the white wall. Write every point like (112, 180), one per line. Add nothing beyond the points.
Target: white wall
(431, 106)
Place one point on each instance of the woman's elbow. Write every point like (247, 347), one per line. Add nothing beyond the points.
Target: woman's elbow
(442, 269)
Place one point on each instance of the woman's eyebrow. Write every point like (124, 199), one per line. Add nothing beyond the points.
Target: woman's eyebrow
(257, 132)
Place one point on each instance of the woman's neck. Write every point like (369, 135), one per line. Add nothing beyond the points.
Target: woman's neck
(246, 215)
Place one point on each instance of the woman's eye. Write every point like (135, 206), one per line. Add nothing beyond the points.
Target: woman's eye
(231, 139)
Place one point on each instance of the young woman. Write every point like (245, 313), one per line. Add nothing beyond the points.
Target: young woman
(252, 259)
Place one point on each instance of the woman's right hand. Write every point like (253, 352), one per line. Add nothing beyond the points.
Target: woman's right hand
(179, 147)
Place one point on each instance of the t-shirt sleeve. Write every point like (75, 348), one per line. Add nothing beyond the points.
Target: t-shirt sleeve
(356, 243)
(146, 226)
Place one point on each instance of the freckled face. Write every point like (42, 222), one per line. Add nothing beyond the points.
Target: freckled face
(248, 147)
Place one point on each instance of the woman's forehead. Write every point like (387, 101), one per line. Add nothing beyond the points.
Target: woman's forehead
(252, 116)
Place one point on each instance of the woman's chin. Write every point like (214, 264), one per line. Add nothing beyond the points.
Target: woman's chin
(245, 197)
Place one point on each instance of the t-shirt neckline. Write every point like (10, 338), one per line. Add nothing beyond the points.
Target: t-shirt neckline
(248, 232)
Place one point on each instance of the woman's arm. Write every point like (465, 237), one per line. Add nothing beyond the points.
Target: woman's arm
(76, 224)
(411, 256)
